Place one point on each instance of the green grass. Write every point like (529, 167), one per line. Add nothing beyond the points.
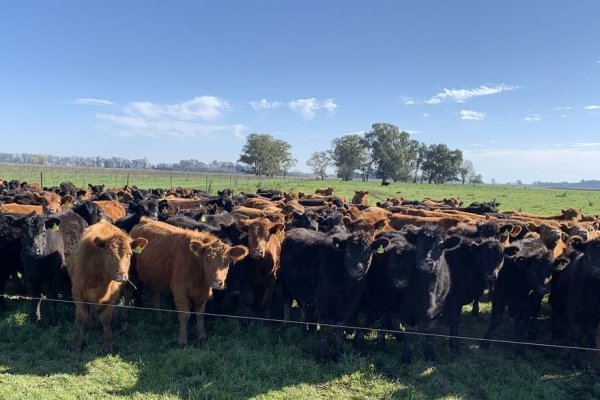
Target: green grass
(524, 198)
(266, 362)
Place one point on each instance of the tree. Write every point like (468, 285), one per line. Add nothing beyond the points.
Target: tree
(442, 164)
(265, 155)
(319, 161)
(348, 154)
(421, 154)
(391, 150)
(466, 170)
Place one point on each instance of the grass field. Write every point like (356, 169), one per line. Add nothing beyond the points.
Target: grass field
(525, 198)
(266, 362)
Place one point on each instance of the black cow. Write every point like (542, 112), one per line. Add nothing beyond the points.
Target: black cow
(327, 271)
(522, 282)
(10, 250)
(472, 266)
(91, 212)
(43, 259)
(425, 297)
(138, 210)
(575, 296)
(390, 274)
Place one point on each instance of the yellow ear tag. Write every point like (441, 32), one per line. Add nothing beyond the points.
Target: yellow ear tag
(561, 266)
(203, 219)
(55, 228)
(380, 250)
(137, 249)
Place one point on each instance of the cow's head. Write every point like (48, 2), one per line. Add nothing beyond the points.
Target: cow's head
(397, 256)
(429, 245)
(259, 232)
(536, 263)
(215, 257)
(487, 256)
(37, 233)
(116, 251)
(591, 257)
(357, 249)
(50, 201)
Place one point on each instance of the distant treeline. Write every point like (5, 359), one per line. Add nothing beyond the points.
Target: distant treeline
(583, 184)
(118, 162)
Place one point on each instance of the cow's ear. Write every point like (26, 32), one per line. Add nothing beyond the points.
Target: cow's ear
(511, 251)
(452, 242)
(412, 233)
(515, 231)
(367, 192)
(379, 245)
(137, 245)
(67, 199)
(380, 224)
(277, 227)
(564, 237)
(505, 231)
(577, 243)
(53, 223)
(196, 247)
(238, 253)
(560, 263)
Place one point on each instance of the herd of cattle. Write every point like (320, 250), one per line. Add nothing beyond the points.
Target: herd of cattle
(405, 263)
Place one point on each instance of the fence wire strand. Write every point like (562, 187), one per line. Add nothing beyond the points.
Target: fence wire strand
(316, 324)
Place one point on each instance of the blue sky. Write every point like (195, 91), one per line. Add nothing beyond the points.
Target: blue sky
(515, 85)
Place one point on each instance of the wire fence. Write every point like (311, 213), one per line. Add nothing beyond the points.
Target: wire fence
(308, 323)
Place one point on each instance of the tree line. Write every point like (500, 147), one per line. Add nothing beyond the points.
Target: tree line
(383, 152)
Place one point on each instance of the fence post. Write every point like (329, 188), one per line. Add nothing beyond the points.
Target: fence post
(41, 179)
(127, 180)
(206, 182)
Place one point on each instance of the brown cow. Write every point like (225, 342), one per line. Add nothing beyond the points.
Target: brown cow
(264, 241)
(112, 208)
(360, 197)
(98, 267)
(326, 192)
(188, 263)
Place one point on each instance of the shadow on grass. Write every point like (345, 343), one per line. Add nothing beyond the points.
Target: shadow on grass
(265, 362)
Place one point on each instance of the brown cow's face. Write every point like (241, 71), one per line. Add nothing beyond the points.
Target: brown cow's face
(51, 202)
(216, 257)
(259, 232)
(117, 255)
(549, 234)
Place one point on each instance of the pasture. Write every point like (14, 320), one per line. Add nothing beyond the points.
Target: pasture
(264, 361)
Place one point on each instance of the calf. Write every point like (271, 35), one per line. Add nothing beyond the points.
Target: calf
(189, 264)
(98, 267)
(91, 212)
(473, 265)
(43, 259)
(522, 282)
(264, 243)
(430, 283)
(10, 250)
(327, 271)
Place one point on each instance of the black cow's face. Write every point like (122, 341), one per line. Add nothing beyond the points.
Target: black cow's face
(592, 257)
(488, 257)
(537, 267)
(400, 262)
(9, 230)
(36, 231)
(429, 245)
(357, 253)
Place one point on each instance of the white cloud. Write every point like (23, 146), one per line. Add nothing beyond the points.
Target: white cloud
(92, 102)
(471, 115)
(562, 108)
(186, 119)
(408, 101)
(264, 104)
(309, 107)
(591, 107)
(554, 162)
(533, 118)
(426, 115)
(462, 95)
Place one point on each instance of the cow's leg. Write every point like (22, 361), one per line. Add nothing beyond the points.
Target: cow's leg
(428, 347)
(475, 309)
(267, 299)
(52, 307)
(454, 321)
(81, 316)
(407, 351)
(496, 320)
(156, 304)
(200, 328)
(106, 320)
(182, 305)
(35, 313)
